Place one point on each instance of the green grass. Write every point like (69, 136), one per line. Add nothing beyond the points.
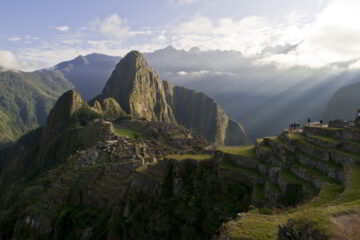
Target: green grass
(315, 173)
(327, 194)
(189, 156)
(342, 152)
(352, 190)
(253, 172)
(291, 178)
(329, 164)
(332, 201)
(123, 132)
(246, 151)
(296, 136)
(255, 226)
(354, 156)
(325, 139)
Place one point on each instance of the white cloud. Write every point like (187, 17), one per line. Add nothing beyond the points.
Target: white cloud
(14, 39)
(329, 37)
(249, 35)
(333, 37)
(182, 2)
(63, 28)
(112, 26)
(201, 73)
(8, 60)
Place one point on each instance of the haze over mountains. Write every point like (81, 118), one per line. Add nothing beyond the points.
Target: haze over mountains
(250, 92)
(141, 93)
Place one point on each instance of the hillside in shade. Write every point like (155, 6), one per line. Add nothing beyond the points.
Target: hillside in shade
(26, 100)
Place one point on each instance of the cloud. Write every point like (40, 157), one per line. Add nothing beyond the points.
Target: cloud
(285, 41)
(332, 38)
(249, 35)
(112, 26)
(8, 60)
(183, 2)
(14, 39)
(63, 28)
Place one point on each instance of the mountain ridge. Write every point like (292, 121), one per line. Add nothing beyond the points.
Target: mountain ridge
(141, 93)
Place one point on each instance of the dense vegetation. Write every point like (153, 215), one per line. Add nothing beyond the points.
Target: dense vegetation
(26, 100)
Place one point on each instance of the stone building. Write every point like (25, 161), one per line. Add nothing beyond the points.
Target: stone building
(337, 124)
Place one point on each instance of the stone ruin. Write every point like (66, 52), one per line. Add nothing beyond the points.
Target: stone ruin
(338, 123)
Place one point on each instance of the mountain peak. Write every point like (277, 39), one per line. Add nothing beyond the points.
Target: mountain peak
(170, 48)
(138, 89)
(135, 59)
(68, 104)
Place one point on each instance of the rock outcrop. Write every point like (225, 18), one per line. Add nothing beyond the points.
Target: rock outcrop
(109, 108)
(140, 93)
(138, 89)
(199, 112)
(68, 104)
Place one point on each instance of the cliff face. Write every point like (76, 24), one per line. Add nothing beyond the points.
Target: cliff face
(138, 89)
(199, 112)
(69, 103)
(141, 93)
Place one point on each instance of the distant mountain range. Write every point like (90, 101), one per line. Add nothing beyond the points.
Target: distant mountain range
(250, 92)
(344, 104)
(88, 74)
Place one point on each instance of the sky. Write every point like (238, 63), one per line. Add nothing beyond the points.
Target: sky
(41, 33)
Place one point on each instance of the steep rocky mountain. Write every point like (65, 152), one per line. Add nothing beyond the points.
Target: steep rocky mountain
(197, 111)
(138, 89)
(249, 92)
(85, 176)
(26, 100)
(344, 104)
(88, 73)
(140, 92)
(23, 110)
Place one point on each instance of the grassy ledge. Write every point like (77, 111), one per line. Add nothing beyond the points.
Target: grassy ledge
(189, 156)
(246, 151)
(123, 132)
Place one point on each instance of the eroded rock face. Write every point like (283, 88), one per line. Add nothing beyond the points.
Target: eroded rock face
(109, 108)
(140, 93)
(199, 112)
(68, 104)
(138, 89)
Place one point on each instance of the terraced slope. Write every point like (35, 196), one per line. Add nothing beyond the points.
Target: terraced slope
(85, 174)
(325, 163)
